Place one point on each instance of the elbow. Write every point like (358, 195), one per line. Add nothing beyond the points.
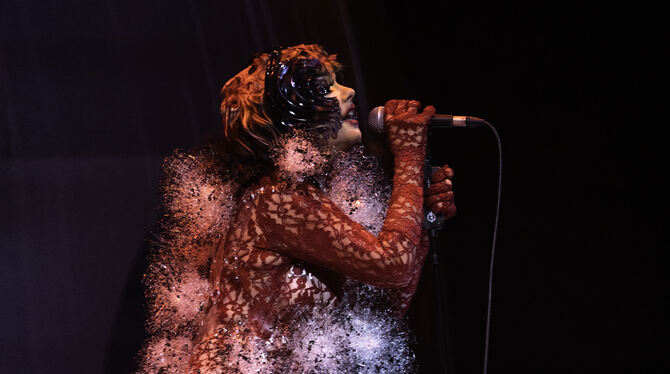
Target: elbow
(397, 262)
(395, 283)
(398, 276)
(400, 282)
(404, 280)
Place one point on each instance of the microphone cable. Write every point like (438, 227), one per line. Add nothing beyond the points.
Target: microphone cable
(376, 122)
(437, 226)
(487, 334)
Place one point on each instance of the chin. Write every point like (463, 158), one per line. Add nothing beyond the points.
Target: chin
(348, 136)
(351, 130)
(352, 137)
(358, 138)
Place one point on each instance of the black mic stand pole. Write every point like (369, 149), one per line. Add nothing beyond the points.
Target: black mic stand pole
(433, 223)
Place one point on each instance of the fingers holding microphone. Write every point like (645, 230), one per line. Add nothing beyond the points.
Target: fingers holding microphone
(406, 129)
(399, 112)
(428, 113)
(439, 197)
(413, 107)
(405, 126)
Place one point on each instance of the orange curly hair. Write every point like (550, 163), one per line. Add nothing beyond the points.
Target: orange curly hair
(248, 130)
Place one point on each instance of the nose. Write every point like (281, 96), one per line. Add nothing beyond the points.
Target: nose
(347, 94)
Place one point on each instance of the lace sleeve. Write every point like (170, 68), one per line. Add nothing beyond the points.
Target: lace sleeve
(305, 224)
(400, 298)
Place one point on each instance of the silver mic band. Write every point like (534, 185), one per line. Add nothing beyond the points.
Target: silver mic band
(459, 121)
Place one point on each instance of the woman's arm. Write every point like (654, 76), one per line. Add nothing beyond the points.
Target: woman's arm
(304, 224)
(440, 200)
(401, 297)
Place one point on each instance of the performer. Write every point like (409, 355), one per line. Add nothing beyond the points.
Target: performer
(257, 255)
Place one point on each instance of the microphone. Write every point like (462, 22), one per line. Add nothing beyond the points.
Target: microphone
(439, 121)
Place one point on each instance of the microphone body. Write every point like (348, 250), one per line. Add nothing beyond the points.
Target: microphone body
(439, 121)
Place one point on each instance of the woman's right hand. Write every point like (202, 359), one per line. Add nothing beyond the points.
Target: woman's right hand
(406, 128)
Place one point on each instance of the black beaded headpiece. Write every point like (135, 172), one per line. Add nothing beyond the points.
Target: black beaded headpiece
(295, 94)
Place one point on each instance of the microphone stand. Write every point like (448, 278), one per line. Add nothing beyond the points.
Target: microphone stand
(434, 223)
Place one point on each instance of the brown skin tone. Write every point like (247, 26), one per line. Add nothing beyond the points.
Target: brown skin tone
(349, 134)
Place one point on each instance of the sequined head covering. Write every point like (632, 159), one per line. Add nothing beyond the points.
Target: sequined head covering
(279, 91)
(295, 95)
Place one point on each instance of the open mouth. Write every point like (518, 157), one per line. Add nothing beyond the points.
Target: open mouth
(351, 116)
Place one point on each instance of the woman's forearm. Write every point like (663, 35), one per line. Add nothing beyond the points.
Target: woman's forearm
(304, 224)
(402, 227)
(401, 297)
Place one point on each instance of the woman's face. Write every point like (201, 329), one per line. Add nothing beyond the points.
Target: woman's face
(349, 134)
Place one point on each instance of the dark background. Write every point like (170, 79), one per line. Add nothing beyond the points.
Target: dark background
(95, 94)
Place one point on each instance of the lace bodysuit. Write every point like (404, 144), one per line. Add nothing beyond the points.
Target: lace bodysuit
(287, 252)
(289, 246)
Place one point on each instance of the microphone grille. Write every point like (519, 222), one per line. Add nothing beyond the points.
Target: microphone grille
(376, 119)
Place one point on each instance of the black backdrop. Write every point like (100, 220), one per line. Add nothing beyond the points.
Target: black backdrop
(94, 94)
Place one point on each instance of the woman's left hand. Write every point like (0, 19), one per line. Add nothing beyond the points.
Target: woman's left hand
(439, 197)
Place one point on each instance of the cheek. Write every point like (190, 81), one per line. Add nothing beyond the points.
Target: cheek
(350, 132)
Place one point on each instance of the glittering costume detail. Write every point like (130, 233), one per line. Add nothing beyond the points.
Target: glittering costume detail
(284, 233)
(292, 267)
(356, 184)
(196, 207)
(295, 94)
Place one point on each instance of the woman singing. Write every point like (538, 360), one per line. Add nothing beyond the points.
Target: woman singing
(259, 252)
